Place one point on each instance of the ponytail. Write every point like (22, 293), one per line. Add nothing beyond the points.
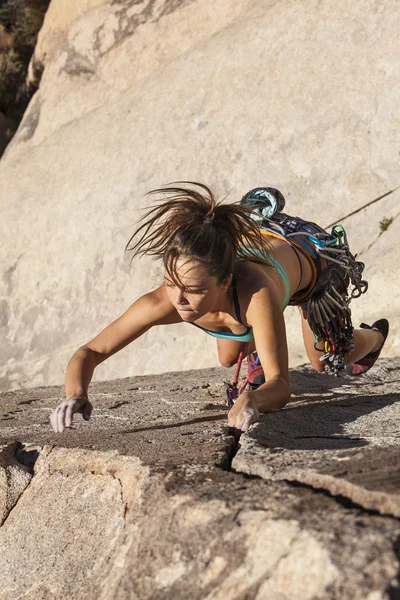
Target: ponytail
(189, 222)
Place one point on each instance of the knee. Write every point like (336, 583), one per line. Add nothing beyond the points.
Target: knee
(227, 361)
(318, 365)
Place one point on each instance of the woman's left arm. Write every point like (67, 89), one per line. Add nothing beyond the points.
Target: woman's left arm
(265, 315)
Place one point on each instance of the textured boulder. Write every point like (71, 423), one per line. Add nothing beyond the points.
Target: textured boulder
(333, 445)
(14, 477)
(134, 504)
(303, 96)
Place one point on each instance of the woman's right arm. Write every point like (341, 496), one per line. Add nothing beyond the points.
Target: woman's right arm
(149, 310)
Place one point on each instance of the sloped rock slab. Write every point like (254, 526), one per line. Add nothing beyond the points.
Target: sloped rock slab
(371, 481)
(14, 478)
(58, 539)
(343, 440)
(189, 534)
(164, 420)
(131, 506)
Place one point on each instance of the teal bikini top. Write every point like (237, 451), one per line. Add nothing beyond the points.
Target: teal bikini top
(247, 336)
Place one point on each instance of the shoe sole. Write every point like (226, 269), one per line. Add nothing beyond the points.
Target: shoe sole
(382, 325)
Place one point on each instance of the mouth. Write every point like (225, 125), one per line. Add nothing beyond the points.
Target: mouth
(186, 314)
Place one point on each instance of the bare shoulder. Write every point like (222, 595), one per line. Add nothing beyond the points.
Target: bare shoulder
(158, 307)
(257, 285)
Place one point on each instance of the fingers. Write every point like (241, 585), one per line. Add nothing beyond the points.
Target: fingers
(241, 423)
(243, 419)
(63, 415)
(69, 414)
(248, 422)
(53, 420)
(87, 410)
(57, 418)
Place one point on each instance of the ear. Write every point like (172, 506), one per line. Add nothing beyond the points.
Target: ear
(227, 283)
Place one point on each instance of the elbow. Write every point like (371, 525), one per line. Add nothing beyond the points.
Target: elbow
(285, 392)
(273, 395)
(85, 353)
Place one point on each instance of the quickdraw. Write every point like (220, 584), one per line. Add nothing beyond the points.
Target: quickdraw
(327, 308)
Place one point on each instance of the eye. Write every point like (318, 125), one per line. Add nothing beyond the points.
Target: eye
(198, 292)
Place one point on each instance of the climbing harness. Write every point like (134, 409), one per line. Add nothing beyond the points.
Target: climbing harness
(326, 302)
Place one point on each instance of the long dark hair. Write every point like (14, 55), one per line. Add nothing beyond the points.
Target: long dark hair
(189, 222)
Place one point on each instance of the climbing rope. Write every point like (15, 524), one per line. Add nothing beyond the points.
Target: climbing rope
(231, 389)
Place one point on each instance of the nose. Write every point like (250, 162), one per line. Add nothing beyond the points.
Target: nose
(180, 298)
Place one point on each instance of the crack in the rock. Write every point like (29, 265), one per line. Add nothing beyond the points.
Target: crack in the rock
(26, 458)
(344, 501)
(121, 491)
(30, 120)
(354, 212)
(232, 447)
(377, 238)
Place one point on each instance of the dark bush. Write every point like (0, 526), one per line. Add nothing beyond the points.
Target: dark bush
(20, 22)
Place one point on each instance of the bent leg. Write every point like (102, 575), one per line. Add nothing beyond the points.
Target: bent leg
(365, 341)
(229, 350)
(308, 339)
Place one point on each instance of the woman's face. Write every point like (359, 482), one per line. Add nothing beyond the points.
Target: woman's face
(202, 292)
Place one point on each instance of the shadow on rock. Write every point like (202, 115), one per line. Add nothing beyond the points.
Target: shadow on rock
(175, 425)
(322, 425)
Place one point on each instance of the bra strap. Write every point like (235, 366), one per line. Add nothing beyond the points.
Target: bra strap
(236, 303)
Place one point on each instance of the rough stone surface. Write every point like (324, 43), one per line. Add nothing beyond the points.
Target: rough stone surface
(333, 446)
(14, 477)
(303, 96)
(135, 505)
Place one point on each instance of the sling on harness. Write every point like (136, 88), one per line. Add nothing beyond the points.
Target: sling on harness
(326, 303)
(231, 389)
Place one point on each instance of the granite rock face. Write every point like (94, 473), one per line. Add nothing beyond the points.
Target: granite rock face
(302, 96)
(14, 478)
(146, 500)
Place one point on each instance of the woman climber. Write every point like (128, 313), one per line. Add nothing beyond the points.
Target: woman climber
(231, 270)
